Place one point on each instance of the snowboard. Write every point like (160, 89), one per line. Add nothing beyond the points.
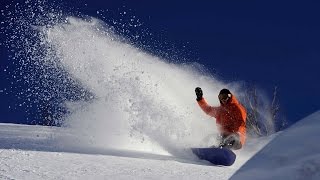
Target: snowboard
(216, 156)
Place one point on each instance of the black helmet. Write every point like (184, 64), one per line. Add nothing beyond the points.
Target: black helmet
(224, 91)
(224, 94)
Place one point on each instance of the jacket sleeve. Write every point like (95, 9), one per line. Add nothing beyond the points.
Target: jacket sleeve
(210, 110)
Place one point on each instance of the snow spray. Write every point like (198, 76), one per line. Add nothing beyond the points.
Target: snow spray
(124, 97)
(140, 101)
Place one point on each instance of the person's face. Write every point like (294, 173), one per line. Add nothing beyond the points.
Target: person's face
(224, 101)
(224, 98)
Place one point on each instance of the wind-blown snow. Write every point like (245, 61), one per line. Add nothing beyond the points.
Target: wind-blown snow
(140, 101)
(294, 154)
(136, 101)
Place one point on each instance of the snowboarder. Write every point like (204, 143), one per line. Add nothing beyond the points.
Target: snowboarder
(230, 118)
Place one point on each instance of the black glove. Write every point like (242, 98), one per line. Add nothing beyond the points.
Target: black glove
(199, 93)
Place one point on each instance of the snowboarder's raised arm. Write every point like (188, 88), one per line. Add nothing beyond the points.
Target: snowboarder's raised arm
(210, 110)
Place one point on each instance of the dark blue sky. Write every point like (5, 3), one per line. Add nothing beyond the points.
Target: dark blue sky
(262, 42)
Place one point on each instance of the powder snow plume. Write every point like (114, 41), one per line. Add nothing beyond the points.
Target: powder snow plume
(139, 99)
(121, 96)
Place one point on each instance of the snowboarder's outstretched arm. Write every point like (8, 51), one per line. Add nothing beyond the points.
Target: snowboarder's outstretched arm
(210, 110)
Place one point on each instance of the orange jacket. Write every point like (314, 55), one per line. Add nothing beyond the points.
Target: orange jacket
(230, 117)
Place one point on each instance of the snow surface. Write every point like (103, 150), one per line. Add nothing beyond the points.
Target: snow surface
(294, 154)
(37, 152)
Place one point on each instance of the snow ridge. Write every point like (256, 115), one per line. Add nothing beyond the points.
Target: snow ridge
(294, 154)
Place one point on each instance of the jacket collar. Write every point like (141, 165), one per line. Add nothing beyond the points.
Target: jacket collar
(232, 100)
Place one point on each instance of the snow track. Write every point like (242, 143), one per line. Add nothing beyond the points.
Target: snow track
(32, 152)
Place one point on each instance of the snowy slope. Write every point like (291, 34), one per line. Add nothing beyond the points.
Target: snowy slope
(38, 152)
(294, 154)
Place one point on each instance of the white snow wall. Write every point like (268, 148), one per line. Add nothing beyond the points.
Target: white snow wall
(141, 102)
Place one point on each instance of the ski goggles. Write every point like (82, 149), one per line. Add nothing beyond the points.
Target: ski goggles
(224, 97)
